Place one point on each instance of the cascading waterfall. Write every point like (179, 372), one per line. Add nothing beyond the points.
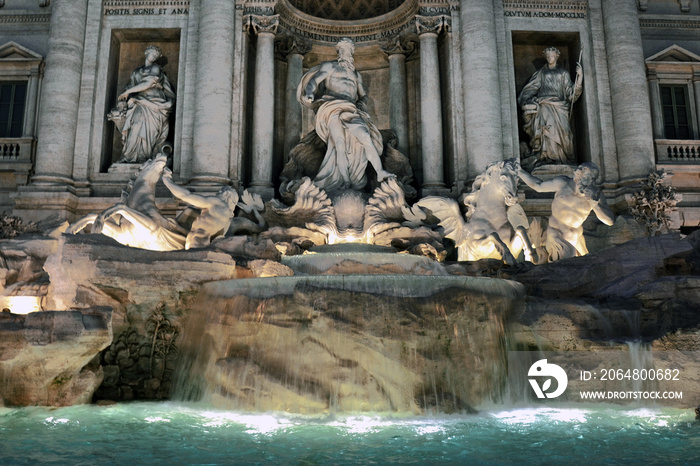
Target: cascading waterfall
(349, 343)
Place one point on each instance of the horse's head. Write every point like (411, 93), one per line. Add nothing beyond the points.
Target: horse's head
(152, 169)
(503, 177)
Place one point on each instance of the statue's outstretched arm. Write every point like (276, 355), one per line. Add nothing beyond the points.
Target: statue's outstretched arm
(602, 210)
(195, 200)
(547, 186)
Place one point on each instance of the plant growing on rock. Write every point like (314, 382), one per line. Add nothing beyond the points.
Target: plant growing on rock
(139, 366)
(162, 335)
(11, 226)
(654, 202)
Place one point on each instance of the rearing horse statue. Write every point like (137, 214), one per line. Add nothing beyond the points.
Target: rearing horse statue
(496, 226)
(136, 221)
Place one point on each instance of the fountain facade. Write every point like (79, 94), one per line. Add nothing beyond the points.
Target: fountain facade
(367, 275)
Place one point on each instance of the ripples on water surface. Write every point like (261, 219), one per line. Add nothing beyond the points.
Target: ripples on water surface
(170, 433)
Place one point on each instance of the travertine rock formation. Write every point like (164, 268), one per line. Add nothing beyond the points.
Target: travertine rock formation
(45, 356)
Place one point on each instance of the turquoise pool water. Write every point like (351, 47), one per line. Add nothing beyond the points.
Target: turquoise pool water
(171, 433)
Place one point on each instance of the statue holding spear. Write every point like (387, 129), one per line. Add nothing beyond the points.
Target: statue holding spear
(547, 101)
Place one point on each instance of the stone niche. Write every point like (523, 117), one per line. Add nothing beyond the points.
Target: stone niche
(373, 65)
(528, 58)
(370, 61)
(127, 53)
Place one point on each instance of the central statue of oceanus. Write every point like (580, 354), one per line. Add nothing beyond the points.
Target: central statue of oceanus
(335, 92)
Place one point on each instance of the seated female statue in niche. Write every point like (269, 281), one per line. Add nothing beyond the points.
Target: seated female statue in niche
(143, 110)
(546, 102)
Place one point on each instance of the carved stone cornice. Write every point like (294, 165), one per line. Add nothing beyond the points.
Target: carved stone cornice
(642, 5)
(291, 45)
(328, 32)
(398, 46)
(261, 24)
(25, 18)
(669, 22)
(432, 24)
(572, 9)
(44, 3)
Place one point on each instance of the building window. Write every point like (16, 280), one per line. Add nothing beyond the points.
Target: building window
(674, 100)
(12, 103)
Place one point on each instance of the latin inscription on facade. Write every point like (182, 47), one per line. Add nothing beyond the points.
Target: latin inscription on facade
(544, 14)
(571, 9)
(145, 7)
(145, 11)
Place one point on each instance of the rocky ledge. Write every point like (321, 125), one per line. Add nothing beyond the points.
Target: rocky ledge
(323, 345)
(47, 356)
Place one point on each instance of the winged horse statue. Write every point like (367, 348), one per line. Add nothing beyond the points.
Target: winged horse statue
(136, 220)
(496, 225)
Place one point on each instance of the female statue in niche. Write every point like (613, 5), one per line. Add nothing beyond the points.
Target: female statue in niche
(546, 102)
(143, 109)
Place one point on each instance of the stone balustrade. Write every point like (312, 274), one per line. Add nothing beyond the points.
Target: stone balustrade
(16, 149)
(677, 151)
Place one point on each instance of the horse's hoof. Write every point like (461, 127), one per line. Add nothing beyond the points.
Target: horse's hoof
(97, 227)
(509, 260)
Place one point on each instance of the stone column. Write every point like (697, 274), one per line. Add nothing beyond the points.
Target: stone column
(397, 51)
(60, 93)
(482, 92)
(30, 109)
(293, 48)
(430, 103)
(696, 91)
(263, 103)
(629, 91)
(212, 106)
(657, 117)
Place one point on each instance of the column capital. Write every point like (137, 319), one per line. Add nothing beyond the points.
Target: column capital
(398, 46)
(289, 45)
(432, 24)
(261, 24)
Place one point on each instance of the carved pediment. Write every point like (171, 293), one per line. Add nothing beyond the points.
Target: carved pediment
(14, 51)
(674, 54)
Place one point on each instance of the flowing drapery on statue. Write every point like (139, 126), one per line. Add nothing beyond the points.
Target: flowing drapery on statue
(334, 91)
(143, 110)
(345, 162)
(546, 102)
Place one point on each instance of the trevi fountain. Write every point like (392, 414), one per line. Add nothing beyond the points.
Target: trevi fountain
(352, 314)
